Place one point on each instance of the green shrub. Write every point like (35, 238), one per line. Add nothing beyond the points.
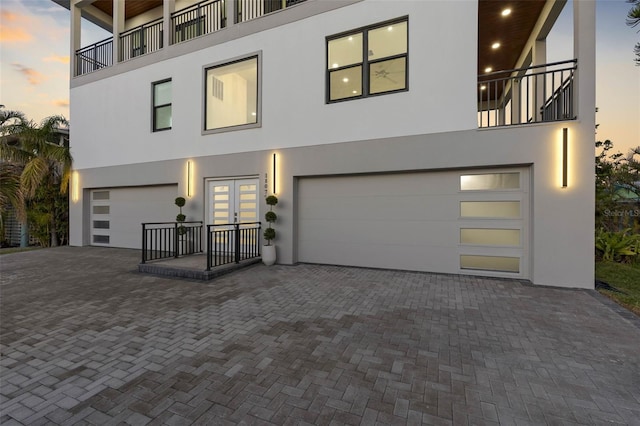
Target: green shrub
(180, 201)
(269, 234)
(621, 246)
(270, 216)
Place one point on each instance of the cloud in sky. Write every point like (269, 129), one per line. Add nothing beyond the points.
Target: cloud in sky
(57, 58)
(13, 28)
(63, 103)
(33, 77)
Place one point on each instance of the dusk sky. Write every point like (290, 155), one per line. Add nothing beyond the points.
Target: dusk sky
(34, 54)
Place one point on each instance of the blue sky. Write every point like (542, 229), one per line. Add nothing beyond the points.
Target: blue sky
(34, 71)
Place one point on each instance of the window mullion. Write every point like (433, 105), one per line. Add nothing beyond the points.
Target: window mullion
(365, 63)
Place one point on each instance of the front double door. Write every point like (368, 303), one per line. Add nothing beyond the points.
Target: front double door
(231, 202)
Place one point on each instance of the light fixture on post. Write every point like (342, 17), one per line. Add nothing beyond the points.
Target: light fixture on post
(565, 148)
(274, 173)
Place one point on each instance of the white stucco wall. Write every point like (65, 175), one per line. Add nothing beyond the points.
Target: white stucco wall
(111, 117)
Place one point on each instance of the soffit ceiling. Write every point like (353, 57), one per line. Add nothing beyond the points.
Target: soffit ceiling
(132, 8)
(512, 31)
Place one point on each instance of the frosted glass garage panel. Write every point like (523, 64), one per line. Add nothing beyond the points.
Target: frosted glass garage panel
(101, 195)
(490, 181)
(490, 209)
(490, 237)
(490, 263)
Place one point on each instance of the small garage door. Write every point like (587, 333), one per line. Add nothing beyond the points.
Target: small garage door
(117, 213)
(473, 222)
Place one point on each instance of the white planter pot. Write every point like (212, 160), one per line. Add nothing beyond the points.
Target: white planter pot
(269, 254)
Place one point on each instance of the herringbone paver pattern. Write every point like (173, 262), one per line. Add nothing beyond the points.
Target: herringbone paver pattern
(87, 340)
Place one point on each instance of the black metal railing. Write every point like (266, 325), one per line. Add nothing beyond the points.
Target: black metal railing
(94, 57)
(535, 94)
(162, 240)
(251, 9)
(232, 243)
(140, 40)
(198, 19)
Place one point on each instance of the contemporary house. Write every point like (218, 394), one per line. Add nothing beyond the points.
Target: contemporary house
(413, 135)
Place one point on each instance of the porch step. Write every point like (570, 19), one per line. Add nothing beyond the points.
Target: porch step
(175, 270)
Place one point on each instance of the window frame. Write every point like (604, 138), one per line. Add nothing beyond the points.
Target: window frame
(258, 123)
(154, 107)
(366, 63)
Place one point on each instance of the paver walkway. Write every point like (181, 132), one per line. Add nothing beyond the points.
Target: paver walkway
(85, 339)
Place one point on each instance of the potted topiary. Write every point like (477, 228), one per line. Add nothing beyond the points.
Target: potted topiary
(180, 218)
(269, 250)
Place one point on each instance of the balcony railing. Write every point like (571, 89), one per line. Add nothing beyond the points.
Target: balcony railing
(94, 57)
(198, 19)
(193, 21)
(251, 9)
(232, 243)
(536, 94)
(162, 240)
(137, 41)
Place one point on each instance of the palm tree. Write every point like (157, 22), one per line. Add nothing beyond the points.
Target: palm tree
(11, 196)
(633, 19)
(45, 165)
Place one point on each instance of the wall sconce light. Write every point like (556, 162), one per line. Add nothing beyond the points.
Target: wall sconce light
(75, 186)
(565, 159)
(189, 178)
(274, 172)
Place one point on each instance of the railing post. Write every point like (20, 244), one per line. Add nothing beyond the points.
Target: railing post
(175, 240)
(144, 243)
(209, 254)
(237, 242)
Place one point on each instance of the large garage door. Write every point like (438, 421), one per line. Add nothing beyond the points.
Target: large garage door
(473, 222)
(117, 213)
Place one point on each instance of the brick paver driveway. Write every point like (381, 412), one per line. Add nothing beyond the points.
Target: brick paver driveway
(87, 340)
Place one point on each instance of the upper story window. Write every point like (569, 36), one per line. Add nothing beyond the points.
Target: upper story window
(162, 105)
(368, 61)
(232, 94)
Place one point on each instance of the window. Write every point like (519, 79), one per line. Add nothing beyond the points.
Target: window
(162, 105)
(369, 61)
(231, 94)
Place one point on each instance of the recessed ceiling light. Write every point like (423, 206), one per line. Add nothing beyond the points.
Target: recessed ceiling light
(390, 28)
(350, 38)
(345, 80)
(253, 113)
(488, 69)
(506, 12)
(495, 45)
(335, 65)
(354, 92)
(483, 87)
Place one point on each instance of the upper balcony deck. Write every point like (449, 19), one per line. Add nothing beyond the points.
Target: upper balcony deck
(195, 20)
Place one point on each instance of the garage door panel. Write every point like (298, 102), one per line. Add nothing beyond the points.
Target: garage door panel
(419, 233)
(380, 207)
(128, 208)
(414, 221)
(374, 185)
(387, 256)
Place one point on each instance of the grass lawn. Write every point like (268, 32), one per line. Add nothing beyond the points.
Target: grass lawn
(17, 249)
(623, 277)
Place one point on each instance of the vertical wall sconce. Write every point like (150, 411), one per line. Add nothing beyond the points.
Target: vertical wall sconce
(189, 178)
(274, 172)
(75, 186)
(565, 159)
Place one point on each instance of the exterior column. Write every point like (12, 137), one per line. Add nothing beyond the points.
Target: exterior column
(118, 27)
(168, 7)
(76, 31)
(584, 48)
(231, 12)
(539, 57)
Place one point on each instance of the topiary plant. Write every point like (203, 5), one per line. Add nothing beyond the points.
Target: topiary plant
(270, 216)
(180, 218)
